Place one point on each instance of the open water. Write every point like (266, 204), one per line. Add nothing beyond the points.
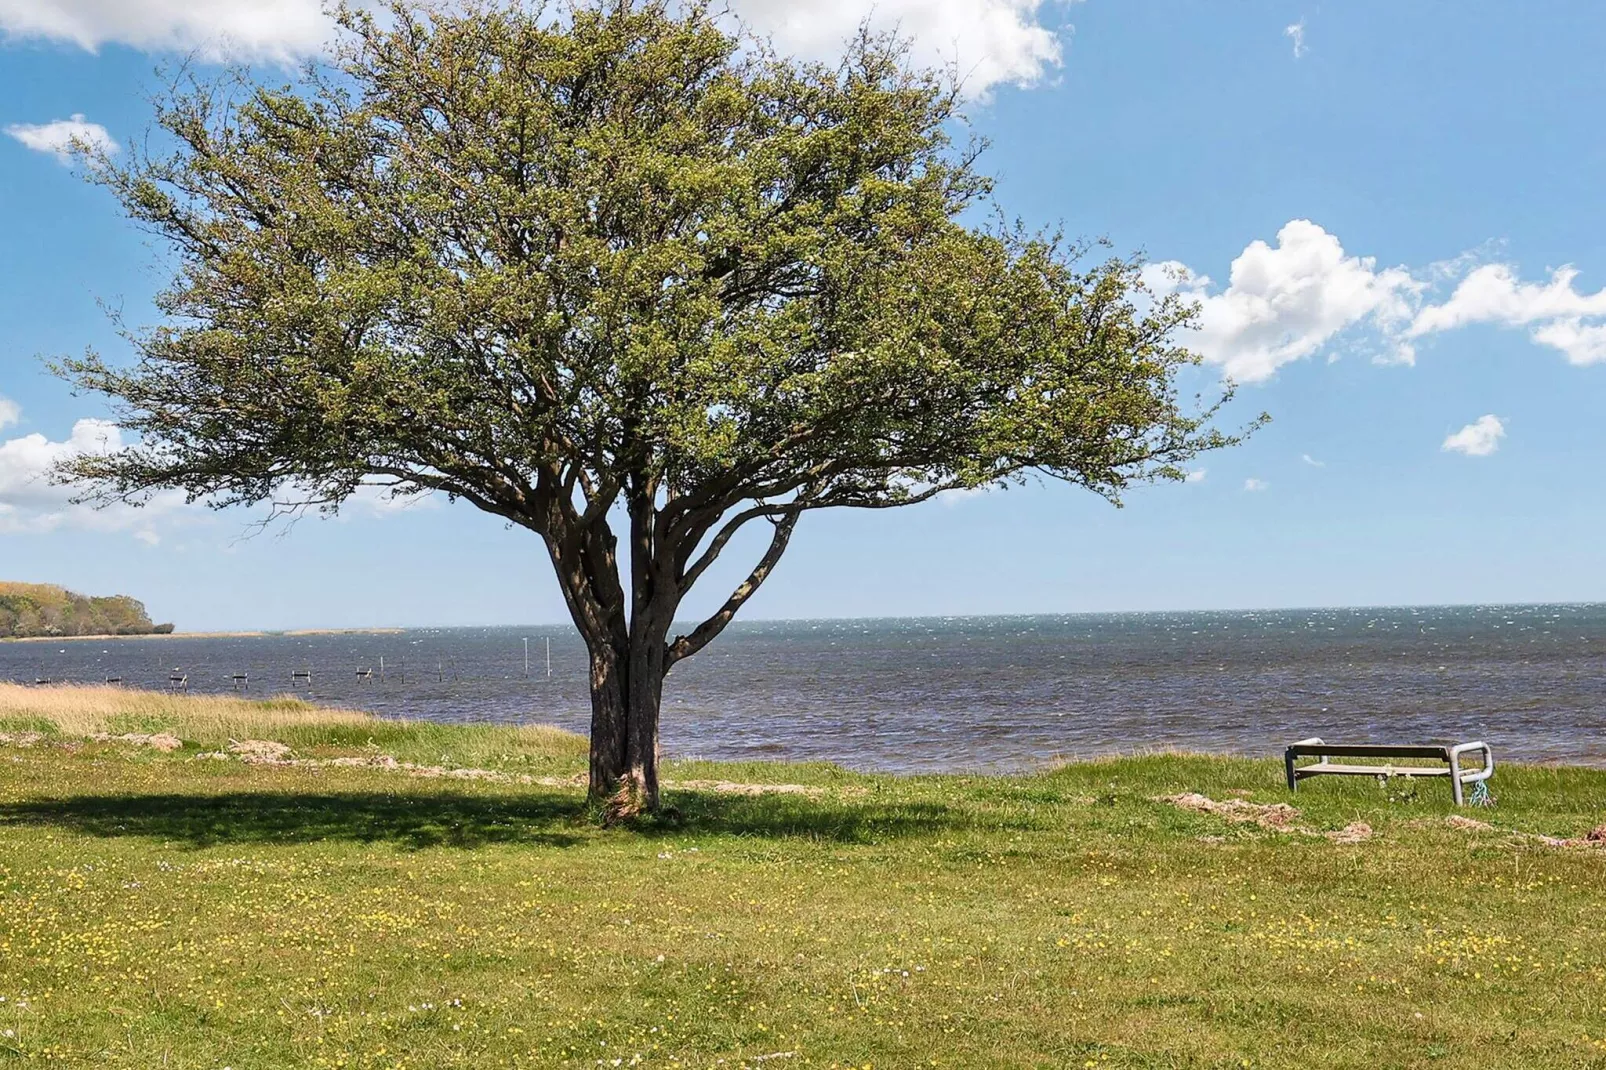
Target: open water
(967, 693)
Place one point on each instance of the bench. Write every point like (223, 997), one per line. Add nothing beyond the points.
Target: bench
(1451, 757)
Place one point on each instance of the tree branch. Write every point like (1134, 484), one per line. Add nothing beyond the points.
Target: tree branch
(685, 646)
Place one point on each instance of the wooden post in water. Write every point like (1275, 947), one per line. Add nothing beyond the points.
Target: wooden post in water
(549, 657)
(526, 657)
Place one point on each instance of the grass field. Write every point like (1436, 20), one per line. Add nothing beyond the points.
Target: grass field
(400, 895)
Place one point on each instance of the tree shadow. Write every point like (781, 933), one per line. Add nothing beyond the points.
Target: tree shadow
(454, 820)
(244, 818)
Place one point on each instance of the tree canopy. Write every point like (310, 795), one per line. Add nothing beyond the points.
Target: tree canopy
(618, 269)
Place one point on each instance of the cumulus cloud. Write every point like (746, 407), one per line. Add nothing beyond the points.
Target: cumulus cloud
(1253, 484)
(1478, 439)
(1561, 317)
(10, 412)
(990, 41)
(1297, 33)
(30, 503)
(63, 138)
(1196, 475)
(1285, 302)
(1306, 295)
(278, 30)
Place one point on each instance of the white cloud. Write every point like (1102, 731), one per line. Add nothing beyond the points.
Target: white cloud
(1479, 438)
(63, 138)
(1286, 302)
(1581, 344)
(1313, 462)
(1559, 313)
(1196, 475)
(30, 503)
(1301, 297)
(1297, 32)
(10, 412)
(278, 30)
(991, 42)
(1253, 484)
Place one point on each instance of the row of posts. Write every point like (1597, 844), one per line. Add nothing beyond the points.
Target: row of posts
(180, 680)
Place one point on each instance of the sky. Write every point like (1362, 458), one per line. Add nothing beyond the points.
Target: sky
(1393, 217)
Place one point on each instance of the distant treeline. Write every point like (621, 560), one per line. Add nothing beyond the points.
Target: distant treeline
(28, 610)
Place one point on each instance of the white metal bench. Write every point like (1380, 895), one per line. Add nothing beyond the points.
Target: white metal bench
(1451, 757)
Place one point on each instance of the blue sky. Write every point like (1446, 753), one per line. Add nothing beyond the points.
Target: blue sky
(1415, 176)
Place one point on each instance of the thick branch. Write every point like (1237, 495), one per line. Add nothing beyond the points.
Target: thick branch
(685, 646)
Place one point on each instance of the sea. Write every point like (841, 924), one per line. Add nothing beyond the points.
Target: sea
(984, 694)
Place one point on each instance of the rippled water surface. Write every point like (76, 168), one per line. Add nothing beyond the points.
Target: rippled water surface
(970, 692)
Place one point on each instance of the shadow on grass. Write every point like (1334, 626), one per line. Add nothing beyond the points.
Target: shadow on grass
(416, 821)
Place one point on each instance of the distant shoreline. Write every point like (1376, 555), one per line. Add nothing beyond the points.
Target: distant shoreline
(203, 635)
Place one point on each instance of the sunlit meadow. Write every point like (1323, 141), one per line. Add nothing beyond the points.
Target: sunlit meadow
(384, 894)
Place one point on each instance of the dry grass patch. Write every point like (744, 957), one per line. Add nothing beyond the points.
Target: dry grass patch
(84, 711)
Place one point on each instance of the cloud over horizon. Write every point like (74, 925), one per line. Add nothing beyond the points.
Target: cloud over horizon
(30, 503)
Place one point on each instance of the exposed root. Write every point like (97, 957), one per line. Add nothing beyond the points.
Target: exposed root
(628, 802)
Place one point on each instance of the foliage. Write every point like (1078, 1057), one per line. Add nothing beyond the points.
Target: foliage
(34, 609)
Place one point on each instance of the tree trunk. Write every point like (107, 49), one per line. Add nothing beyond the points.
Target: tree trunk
(626, 695)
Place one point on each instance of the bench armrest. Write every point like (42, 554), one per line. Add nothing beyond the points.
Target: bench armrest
(1289, 756)
(1458, 778)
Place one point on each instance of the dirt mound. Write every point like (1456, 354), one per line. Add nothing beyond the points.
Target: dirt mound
(162, 741)
(258, 750)
(1279, 817)
(1354, 832)
(1468, 824)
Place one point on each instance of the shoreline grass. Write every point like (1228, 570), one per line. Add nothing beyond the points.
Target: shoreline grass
(170, 909)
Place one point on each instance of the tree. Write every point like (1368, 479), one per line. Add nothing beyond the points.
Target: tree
(619, 269)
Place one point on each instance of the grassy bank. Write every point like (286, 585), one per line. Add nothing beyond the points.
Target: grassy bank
(388, 895)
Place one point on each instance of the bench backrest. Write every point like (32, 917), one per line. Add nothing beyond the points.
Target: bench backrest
(1365, 750)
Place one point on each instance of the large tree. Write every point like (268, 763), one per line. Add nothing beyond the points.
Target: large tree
(618, 275)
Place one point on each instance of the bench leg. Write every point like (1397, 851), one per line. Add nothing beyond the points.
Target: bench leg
(1288, 766)
(1455, 779)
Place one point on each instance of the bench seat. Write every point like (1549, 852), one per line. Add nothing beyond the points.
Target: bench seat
(1319, 768)
(1451, 757)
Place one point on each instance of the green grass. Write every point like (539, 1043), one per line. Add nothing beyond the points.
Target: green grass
(168, 910)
